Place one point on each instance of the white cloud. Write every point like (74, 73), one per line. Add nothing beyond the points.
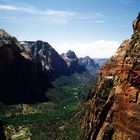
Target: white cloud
(99, 21)
(60, 21)
(8, 7)
(33, 10)
(25, 8)
(56, 13)
(97, 49)
(57, 16)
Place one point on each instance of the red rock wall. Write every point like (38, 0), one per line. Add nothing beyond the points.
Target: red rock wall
(113, 110)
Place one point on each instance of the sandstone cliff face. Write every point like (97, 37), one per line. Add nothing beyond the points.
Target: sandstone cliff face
(113, 110)
(21, 78)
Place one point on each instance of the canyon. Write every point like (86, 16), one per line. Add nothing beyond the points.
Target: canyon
(37, 87)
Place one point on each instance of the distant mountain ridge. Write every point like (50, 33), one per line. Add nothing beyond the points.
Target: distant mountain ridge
(65, 63)
(32, 64)
(100, 61)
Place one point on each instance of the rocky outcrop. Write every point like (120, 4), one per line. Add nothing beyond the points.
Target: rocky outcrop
(72, 61)
(49, 58)
(89, 64)
(113, 110)
(21, 78)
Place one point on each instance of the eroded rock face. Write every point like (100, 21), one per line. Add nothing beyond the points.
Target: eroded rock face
(22, 80)
(49, 58)
(113, 110)
(72, 62)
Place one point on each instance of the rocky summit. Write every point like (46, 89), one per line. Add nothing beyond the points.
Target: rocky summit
(72, 61)
(113, 110)
(51, 61)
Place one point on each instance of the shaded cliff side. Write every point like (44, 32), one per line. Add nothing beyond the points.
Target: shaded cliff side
(21, 78)
(113, 110)
(2, 134)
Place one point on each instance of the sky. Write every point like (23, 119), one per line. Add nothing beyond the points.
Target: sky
(89, 27)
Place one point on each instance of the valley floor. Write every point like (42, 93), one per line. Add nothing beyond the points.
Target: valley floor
(53, 120)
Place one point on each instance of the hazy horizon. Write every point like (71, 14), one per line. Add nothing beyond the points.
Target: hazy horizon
(88, 27)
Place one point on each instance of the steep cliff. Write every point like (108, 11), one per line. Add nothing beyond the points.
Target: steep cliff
(21, 78)
(113, 110)
(43, 52)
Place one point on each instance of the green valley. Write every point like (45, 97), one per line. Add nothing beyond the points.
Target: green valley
(52, 120)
